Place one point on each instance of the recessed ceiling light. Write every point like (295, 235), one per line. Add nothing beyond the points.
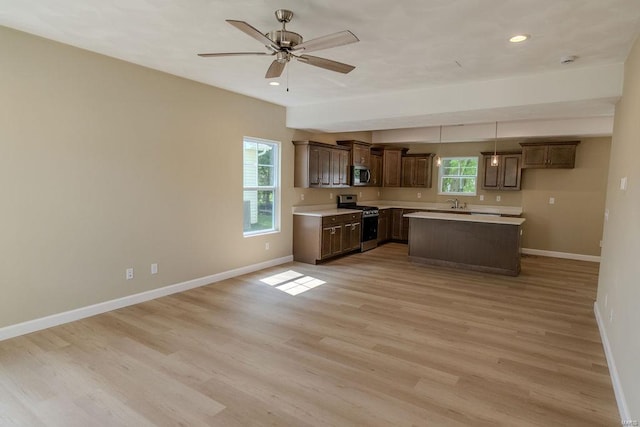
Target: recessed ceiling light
(274, 83)
(518, 38)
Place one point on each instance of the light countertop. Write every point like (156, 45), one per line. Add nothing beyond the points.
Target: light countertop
(446, 207)
(327, 212)
(491, 219)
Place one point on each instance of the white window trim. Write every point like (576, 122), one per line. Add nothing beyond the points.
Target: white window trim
(277, 190)
(440, 176)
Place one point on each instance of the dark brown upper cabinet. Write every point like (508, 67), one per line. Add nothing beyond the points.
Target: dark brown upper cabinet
(507, 175)
(549, 155)
(392, 166)
(376, 169)
(360, 154)
(417, 170)
(319, 165)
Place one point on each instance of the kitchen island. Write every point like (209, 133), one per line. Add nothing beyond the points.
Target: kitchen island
(476, 242)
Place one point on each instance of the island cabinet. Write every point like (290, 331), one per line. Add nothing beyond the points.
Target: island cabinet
(360, 152)
(319, 165)
(416, 170)
(481, 242)
(507, 175)
(376, 170)
(392, 166)
(549, 155)
(384, 225)
(317, 238)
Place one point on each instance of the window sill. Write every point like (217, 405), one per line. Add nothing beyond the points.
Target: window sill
(260, 233)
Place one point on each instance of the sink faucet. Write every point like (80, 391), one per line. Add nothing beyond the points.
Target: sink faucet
(456, 203)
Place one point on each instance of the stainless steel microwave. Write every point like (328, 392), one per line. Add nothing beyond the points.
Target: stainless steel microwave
(360, 175)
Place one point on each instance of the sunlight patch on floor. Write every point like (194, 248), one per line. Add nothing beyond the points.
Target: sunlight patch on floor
(292, 282)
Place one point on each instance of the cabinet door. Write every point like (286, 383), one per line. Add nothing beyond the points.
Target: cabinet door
(392, 168)
(336, 240)
(314, 167)
(361, 155)
(396, 224)
(490, 180)
(383, 228)
(325, 167)
(510, 171)
(422, 172)
(344, 168)
(355, 231)
(325, 246)
(561, 156)
(408, 171)
(534, 156)
(376, 170)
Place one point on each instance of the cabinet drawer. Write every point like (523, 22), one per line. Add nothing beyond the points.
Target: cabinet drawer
(340, 219)
(333, 219)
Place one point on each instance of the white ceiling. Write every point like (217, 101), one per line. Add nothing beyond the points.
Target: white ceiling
(405, 46)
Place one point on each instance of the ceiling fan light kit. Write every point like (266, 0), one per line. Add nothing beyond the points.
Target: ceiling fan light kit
(286, 44)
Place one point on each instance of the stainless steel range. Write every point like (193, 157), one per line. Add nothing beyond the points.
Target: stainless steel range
(369, 236)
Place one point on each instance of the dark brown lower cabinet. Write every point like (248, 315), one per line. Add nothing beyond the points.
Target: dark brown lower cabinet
(351, 236)
(399, 224)
(396, 224)
(318, 238)
(331, 241)
(384, 225)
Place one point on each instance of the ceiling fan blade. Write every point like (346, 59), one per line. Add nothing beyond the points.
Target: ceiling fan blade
(325, 42)
(209, 55)
(326, 63)
(275, 69)
(252, 32)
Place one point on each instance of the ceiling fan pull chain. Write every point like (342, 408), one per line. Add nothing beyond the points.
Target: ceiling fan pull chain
(288, 79)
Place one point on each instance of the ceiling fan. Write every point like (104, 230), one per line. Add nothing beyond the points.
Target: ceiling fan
(286, 44)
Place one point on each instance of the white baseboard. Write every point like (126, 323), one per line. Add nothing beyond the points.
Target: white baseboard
(91, 310)
(566, 255)
(613, 371)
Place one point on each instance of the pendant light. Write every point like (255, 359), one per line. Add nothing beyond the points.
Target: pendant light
(494, 158)
(438, 159)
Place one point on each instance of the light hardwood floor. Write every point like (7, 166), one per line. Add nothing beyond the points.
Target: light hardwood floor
(382, 343)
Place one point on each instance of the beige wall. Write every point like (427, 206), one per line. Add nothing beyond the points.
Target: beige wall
(106, 165)
(619, 283)
(573, 224)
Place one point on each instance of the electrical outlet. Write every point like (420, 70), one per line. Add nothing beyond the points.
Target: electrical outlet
(552, 200)
(419, 195)
(482, 197)
(266, 246)
(330, 196)
(498, 198)
(128, 274)
(360, 194)
(378, 194)
(154, 268)
(302, 197)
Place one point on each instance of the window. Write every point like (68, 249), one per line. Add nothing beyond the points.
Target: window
(458, 176)
(261, 174)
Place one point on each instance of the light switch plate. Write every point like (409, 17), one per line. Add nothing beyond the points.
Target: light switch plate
(482, 197)
(623, 183)
(552, 200)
